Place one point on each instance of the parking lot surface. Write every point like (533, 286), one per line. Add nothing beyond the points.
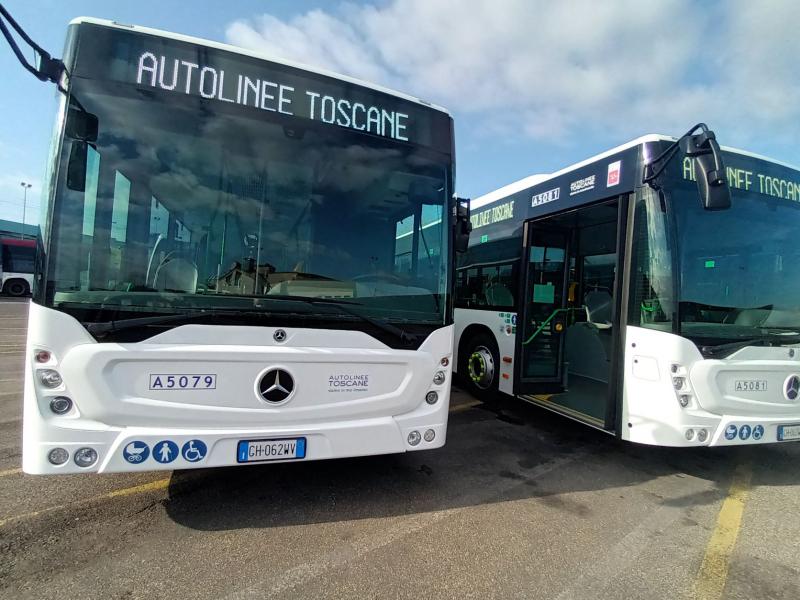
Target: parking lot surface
(519, 504)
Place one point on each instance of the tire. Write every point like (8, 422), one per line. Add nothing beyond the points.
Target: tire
(16, 287)
(480, 367)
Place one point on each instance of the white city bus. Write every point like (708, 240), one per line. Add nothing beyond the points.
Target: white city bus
(244, 260)
(17, 258)
(639, 294)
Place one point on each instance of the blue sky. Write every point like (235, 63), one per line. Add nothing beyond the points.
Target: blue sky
(533, 85)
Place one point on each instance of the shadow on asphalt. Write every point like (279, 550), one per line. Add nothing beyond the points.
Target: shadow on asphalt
(489, 457)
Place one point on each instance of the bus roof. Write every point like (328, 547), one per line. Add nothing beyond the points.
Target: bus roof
(261, 55)
(532, 180)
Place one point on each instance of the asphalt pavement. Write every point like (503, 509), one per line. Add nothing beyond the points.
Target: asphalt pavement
(520, 503)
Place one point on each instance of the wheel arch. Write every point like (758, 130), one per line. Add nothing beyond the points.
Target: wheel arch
(470, 332)
(12, 280)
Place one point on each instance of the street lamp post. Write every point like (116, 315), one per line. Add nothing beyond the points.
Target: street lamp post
(25, 188)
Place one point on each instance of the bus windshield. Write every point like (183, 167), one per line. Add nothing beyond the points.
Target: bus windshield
(738, 270)
(182, 202)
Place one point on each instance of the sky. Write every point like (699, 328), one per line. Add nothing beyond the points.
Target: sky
(533, 85)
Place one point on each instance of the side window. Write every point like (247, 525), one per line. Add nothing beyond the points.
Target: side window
(489, 286)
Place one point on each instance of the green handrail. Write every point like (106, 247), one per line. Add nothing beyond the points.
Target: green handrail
(545, 323)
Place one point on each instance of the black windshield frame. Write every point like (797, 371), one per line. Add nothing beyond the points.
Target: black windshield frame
(82, 88)
(731, 269)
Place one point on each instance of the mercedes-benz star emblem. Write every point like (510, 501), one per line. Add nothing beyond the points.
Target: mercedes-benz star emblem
(279, 335)
(791, 387)
(276, 385)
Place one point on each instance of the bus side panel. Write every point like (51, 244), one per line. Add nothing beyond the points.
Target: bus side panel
(502, 325)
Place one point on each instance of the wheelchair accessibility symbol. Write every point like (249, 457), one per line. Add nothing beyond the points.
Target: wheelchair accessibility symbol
(194, 451)
(136, 452)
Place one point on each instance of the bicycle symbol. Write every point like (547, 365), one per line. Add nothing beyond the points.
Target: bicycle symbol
(194, 450)
(136, 452)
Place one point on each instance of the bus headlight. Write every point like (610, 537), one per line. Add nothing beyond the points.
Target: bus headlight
(683, 400)
(439, 377)
(689, 434)
(678, 382)
(429, 435)
(60, 405)
(702, 435)
(50, 378)
(431, 397)
(85, 457)
(58, 456)
(414, 438)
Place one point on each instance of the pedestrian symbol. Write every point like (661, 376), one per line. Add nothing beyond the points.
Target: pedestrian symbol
(136, 452)
(165, 451)
(194, 450)
(744, 432)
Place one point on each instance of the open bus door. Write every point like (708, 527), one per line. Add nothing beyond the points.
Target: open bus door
(568, 322)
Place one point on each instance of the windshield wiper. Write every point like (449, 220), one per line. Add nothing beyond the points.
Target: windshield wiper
(729, 348)
(103, 327)
(343, 306)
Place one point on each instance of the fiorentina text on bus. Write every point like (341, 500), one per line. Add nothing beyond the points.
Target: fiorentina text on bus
(244, 260)
(636, 308)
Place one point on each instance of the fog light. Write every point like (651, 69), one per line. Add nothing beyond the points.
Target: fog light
(429, 435)
(438, 377)
(431, 397)
(414, 437)
(683, 400)
(678, 382)
(58, 456)
(60, 405)
(42, 356)
(445, 361)
(85, 457)
(690, 434)
(674, 368)
(702, 435)
(50, 378)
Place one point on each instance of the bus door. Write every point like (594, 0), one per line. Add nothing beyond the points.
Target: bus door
(565, 345)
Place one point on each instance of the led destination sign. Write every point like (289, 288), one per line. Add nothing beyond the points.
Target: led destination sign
(186, 77)
(183, 69)
(784, 185)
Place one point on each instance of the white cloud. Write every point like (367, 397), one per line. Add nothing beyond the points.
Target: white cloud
(549, 69)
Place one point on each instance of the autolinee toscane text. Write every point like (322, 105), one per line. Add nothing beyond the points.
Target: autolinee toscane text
(742, 179)
(186, 77)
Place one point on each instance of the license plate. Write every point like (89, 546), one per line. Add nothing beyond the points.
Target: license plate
(788, 432)
(263, 450)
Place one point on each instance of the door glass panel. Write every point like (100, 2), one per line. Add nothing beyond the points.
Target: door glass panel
(541, 345)
(569, 320)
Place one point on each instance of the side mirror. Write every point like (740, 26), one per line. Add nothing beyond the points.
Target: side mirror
(463, 225)
(712, 183)
(81, 125)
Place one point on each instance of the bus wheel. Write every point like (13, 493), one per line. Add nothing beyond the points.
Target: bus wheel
(481, 367)
(16, 287)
